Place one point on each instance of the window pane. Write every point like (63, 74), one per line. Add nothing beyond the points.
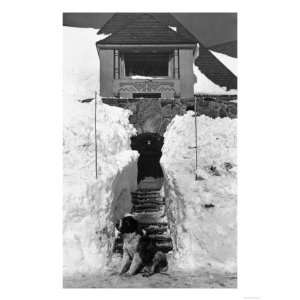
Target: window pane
(146, 64)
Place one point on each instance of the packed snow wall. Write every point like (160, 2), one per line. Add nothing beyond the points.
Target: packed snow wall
(91, 206)
(202, 213)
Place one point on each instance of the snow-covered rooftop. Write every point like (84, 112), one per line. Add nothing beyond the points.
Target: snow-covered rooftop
(228, 61)
(174, 28)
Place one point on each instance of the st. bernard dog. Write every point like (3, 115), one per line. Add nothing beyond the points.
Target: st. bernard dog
(140, 253)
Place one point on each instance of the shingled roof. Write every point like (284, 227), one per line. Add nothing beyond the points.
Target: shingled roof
(213, 69)
(145, 28)
(229, 48)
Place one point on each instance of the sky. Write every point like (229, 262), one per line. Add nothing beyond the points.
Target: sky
(210, 28)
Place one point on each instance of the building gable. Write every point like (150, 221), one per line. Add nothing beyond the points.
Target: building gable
(145, 28)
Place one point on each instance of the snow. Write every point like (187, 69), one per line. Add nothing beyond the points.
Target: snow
(174, 28)
(204, 85)
(202, 213)
(229, 62)
(80, 63)
(90, 206)
(141, 77)
(103, 36)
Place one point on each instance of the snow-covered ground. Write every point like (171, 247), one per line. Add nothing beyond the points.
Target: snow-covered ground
(202, 213)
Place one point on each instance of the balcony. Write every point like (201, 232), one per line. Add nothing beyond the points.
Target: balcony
(130, 87)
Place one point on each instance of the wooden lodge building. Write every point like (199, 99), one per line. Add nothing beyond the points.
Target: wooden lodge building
(147, 55)
(151, 55)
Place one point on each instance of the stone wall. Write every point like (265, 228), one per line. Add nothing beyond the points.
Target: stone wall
(154, 115)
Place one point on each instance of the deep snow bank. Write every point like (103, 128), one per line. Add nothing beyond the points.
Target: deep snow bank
(91, 206)
(202, 214)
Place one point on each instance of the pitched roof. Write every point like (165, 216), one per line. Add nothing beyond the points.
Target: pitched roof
(145, 28)
(213, 69)
(229, 48)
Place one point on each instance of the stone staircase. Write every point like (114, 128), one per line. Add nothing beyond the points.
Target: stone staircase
(148, 207)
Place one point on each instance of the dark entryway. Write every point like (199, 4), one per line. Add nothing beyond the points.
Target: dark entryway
(149, 146)
(148, 201)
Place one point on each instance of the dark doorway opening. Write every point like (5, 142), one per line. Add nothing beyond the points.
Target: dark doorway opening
(149, 147)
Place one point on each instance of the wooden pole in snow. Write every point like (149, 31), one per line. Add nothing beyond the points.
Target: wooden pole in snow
(95, 125)
(196, 146)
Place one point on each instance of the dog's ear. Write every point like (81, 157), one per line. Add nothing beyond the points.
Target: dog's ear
(118, 225)
(129, 225)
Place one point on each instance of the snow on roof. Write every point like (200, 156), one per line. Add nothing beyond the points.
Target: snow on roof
(205, 86)
(174, 28)
(103, 36)
(228, 61)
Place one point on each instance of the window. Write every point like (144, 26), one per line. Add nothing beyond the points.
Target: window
(146, 64)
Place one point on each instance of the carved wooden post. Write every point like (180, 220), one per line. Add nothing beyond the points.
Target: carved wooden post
(176, 64)
(116, 64)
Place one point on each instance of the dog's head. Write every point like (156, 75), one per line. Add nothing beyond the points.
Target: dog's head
(127, 224)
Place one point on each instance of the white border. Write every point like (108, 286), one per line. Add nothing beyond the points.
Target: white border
(31, 162)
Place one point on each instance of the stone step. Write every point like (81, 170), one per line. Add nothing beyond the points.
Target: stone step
(152, 210)
(148, 202)
(147, 197)
(149, 210)
(118, 245)
(164, 246)
(154, 229)
(143, 193)
(148, 223)
(150, 218)
(161, 237)
(148, 205)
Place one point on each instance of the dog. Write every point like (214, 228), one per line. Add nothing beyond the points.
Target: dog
(140, 253)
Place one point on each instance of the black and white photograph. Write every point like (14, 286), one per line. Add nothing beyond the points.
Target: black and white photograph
(149, 150)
